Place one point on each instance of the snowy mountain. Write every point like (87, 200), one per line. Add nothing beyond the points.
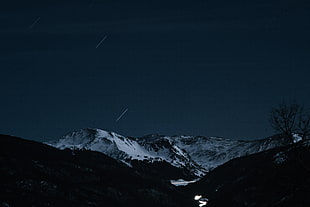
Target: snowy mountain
(126, 149)
(195, 153)
(109, 143)
(210, 152)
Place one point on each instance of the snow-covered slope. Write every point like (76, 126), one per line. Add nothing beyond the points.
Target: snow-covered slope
(210, 152)
(109, 143)
(195, 153)
(126, 149)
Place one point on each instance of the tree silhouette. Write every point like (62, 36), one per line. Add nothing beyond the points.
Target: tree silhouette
(290, 119)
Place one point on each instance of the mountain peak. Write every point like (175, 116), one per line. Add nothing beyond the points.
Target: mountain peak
(81, 138)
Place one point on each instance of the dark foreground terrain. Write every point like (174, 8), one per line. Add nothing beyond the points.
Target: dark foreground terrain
(278, 177)
(34, 174)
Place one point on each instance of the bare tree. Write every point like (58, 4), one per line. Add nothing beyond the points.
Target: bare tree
(289, 119)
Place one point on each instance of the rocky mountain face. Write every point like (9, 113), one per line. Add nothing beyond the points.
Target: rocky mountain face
(195, 154)
(127, 149)
(210, 152)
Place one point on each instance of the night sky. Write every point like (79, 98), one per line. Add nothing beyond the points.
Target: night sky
(207, 67)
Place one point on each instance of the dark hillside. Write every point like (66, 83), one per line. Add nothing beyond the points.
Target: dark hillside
(34, 174)
(278, 177)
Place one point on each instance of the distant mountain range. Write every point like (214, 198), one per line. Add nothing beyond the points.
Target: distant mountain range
(197, 154)
(137, 171)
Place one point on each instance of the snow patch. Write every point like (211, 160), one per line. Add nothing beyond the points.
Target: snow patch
(181, 182)
(296, 138)
(201, 201)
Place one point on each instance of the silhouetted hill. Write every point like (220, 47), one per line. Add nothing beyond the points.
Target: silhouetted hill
(277, 177)
(34, 174)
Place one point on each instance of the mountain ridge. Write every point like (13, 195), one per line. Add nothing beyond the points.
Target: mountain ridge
(197, 154)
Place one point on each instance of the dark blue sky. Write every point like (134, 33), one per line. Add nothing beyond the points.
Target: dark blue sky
(212, 68)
